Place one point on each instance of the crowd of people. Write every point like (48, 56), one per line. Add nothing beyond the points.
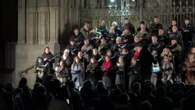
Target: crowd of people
(115, 68)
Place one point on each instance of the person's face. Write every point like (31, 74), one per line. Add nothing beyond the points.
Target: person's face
(193, 50)
(126, 21)
(173, 42)
(112, 30)
(174, 28)
(92, 60)
(191, 58)
(47, 50)
(173, 23)
(109, 53)
(120, 60)
(61, 63)
(103, 41)
(126, 32)
(103, 23)
(166, 51)
(161, 32)
(77, 60)
(142, 26)
(86, 26)
(86, 42)
(95, 52)
(156, 20)
(136, 39)
(154, 39)
(72, 42)
(76, 32)
(187, 22)
(107, 58)
(80, 54)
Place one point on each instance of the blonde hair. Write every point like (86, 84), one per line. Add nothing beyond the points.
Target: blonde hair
(166, 53)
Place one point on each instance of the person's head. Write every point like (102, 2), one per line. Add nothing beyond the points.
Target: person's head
(173, 22)
(76, 31)
(133, 61)
(142, 25)
(77, 59)
(66, 52)
(166, 51)
(94, 51)
(103, 40)
(86, 26)
(107, 58)
(109, 52)
(125, 32)
(124, 51)
(192, 50)
(126, 21)
(174, 28)
(80, 54)
(137, 39)
(47, 50)
(156, 19)
(112, 30)
(191, 58)
(72, 42)
(93, 60)
(173, 41)
(118, 40)
(154, 39)
(161, 32)
(187, 21)
(102, 23)
(121, 59)
(86, 41)
(61, 63)
(114, 24)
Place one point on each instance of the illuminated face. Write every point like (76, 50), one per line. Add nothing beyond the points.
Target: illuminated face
(173, 22)
(173, 42)
(187, 21)
(142, 26)
(161, 32)
(103, 23)
(154, 39)
(61, 63)
(191, 58)
(174, 28)
(86, 42)
(156, 20)
(47, 50)
(80, 54)
(92, 60)
(76, 32)
(95, 52)
(77, 60)
(107, 58)
(193, 50)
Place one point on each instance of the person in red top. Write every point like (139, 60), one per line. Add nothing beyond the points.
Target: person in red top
(106, 67)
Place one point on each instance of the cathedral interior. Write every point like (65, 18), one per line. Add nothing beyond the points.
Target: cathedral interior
(29, 26)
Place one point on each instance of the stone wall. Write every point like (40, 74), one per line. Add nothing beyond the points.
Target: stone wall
(41, 23)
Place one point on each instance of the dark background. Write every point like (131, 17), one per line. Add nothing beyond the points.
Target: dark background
(8, 30)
